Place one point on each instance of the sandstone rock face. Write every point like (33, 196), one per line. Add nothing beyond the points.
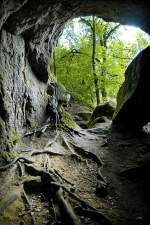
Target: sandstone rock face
(23, 97)
(133, 110)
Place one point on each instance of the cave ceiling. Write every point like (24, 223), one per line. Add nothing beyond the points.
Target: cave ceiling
(41, 22)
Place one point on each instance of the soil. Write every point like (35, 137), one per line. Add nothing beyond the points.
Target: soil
(125, 173)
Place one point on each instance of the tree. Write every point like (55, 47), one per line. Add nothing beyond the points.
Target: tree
(102, 33)
(91, 64)
(93, 29)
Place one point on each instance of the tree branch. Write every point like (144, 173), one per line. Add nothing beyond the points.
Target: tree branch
(111, 32)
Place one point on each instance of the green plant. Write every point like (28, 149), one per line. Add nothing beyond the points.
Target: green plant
(15, 137)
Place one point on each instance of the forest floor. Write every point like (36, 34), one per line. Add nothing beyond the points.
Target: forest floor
(102, 176)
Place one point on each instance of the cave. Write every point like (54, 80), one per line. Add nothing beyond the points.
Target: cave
(29, 31)
(28, 37)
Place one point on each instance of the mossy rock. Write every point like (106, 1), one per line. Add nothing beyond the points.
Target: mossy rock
(101, 119)
(100, 112)
(68, 120)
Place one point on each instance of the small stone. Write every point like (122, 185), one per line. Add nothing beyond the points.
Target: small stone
(139, 218)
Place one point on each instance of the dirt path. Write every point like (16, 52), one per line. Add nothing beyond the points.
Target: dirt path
(120, 194)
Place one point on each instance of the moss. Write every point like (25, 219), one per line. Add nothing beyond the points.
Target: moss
(68, 120)
(21, 146)
(9, 151)
(7, 156)
(15, 137)
(13, 140)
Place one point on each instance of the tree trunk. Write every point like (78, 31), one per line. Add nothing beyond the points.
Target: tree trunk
(103, 75)
(103, 43)
(94, 61)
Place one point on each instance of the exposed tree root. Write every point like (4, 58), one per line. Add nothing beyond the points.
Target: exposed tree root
(46, 164)
(66, 144)
(18, 159)
(20, 169)
(90, 209)
(71, 131)
(36, 131)
(55, 191)
(86, 154)
(100, 176)
(101, 180)
(28, 206)
(75, 197)
(52, 141)
(46, 152)
(98, 131)
(68, 216)
(62, 178)
(51, 181)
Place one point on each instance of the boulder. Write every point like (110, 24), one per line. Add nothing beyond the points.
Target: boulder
(101, 119)
(133, 110)
(101, 113)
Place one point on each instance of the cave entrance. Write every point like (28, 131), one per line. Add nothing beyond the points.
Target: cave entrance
(92, 56)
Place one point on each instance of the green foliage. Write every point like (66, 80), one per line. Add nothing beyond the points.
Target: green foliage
(7, 156)
(74, 59)
(15, 137)
(12, 141)
(8, 153)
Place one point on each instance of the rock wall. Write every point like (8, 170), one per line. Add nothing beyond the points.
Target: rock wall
(23, 97)
(133, 110)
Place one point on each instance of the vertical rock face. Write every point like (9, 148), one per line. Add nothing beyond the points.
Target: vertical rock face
(22, 95)
(133, 110)
(32, 27)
